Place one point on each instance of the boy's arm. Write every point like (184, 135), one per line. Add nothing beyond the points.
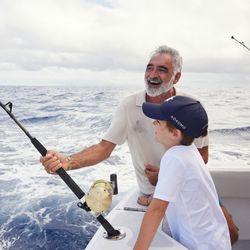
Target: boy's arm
(150, 223)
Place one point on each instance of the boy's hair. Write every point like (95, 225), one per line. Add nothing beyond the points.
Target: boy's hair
(186, 140)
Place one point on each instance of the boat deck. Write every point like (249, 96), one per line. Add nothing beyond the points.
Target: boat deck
(129, 222)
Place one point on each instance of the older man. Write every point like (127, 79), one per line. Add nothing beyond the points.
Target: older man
(129, 124)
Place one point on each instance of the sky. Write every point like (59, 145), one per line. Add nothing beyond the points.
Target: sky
(103, 42)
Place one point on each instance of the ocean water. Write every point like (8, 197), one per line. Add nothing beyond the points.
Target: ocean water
(37, 210)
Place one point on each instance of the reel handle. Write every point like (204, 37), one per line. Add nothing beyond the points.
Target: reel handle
(113, 179)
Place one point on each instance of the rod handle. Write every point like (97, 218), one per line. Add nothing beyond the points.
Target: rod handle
(61, 172)
(42, 150)
(70, 183)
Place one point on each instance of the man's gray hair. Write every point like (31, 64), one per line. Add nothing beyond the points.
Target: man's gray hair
(177, 59)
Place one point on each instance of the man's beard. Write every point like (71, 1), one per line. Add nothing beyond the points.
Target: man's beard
(161, 89)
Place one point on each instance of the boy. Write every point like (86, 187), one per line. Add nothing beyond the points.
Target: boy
(185, 191)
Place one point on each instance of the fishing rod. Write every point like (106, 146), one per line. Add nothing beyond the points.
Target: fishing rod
(241, 43)
(110, 231)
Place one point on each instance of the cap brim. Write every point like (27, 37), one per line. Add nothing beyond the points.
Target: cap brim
(153, 110)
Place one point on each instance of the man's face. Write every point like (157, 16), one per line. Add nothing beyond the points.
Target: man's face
(159, 75)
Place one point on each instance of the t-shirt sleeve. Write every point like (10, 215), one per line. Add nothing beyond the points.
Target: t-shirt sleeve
(201, 142)
(117, 132)
(170, 180)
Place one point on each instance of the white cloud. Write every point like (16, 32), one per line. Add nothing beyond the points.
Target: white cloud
(45, 39)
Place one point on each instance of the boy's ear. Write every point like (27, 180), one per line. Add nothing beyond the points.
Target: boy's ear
(177, 133)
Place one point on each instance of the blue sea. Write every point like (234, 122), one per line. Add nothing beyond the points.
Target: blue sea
(37, 210)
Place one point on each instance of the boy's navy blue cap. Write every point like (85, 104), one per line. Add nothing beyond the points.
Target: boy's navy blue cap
(184, 113)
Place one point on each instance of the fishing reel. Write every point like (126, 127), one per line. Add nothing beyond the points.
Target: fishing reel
(99, 197)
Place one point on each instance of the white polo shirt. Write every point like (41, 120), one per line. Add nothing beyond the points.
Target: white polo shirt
(131, 125)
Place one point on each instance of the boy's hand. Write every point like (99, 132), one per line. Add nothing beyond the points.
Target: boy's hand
(152, 173)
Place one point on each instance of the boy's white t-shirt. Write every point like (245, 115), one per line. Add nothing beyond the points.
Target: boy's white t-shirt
(194, 215)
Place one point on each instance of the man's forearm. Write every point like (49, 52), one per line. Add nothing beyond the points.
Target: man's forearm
(91, 156)
(204, 153)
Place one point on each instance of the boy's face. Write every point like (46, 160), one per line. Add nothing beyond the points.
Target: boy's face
(165, 136)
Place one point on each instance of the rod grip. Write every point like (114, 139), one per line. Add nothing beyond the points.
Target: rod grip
(61, 172)
(42, 150)
(70, 183)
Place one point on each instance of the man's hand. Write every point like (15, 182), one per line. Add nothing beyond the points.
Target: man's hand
(152, 173)
(53, 161)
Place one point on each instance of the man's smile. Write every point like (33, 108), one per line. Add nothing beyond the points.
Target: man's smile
(154, 81)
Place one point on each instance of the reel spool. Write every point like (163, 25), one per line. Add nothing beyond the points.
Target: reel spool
(99, 197)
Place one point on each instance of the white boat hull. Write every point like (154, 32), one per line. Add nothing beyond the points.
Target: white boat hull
(130, 222)
(233, 187)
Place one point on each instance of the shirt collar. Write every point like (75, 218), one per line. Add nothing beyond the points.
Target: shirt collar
(140, 98)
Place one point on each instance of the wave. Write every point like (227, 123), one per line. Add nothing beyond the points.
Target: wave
(40, 119)
(54, 221)
(243, 132)
(51, 108)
